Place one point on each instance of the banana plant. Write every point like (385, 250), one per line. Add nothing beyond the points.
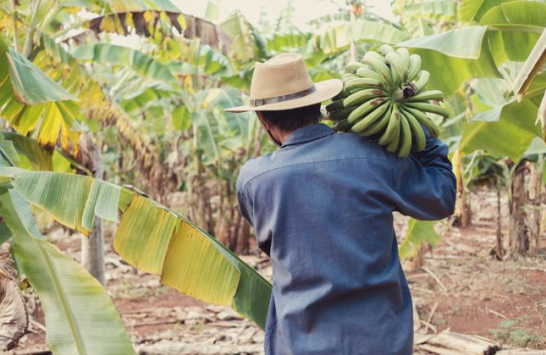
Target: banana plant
(487, 50)
(150, 236)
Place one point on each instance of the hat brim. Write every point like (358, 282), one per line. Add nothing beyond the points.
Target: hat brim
(324, 90)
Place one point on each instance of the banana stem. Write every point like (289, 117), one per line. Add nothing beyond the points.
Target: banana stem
(398, 95)
(404, 93)
(14, 21)
(32, 29)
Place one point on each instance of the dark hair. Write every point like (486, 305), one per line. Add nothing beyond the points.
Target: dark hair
(290, 120)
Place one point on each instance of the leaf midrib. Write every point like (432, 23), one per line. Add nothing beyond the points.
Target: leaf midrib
(64, 301)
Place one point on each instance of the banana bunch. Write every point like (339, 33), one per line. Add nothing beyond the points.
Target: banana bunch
(383, 98)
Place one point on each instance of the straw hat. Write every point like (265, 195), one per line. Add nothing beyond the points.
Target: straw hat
(283, 83)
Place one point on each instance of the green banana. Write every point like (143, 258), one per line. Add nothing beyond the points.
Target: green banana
(384, 98)
(405, 55)
(344, 93)
(415, 66)
(352, 67)
(342, 125)
(396, 81)
(405, 138)
(428, 107)
(363, 83)
(348, 76)
(393, 128)
(378, 125)
(334, 105)
(396, 61)
(393, 144)
(362, 96)
(367, 72)
(370, 118)
(377, 63)
(422, 81)
(385, 49)
(422, 117)
(436, 95)
(364, 109)
(419, 136)
(341, 114)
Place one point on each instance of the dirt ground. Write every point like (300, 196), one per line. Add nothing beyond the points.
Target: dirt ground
(461, 287)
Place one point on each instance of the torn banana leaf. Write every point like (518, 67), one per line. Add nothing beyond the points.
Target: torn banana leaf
(150, 237)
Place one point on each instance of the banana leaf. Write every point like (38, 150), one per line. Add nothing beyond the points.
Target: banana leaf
(419, 233)
(80, 316)
(453, 57)
(28, 95)
(123, 56)
(8, 154)
(154, 22)
(336, 37)
(5, 232)
(30, 85)
(513, 121)
(151, 238)
(534, 63)
(473, 10)
(442, 10)
(246, 43)
(514, 29)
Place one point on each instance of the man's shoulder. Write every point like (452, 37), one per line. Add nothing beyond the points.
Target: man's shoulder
(252, 168)
(337, 147)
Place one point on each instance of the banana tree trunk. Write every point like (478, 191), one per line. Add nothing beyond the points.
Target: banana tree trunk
(535, 194)
(519, 234)
(93, 247)
(499, 247)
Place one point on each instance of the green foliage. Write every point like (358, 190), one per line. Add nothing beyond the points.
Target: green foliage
(519, 22)
(72, 326)
(442, 10)
(124, 56)
(419, 233)
(474, 10)
(150, 237)
(336, 37)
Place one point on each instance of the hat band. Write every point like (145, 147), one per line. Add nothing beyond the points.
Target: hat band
(274, 100)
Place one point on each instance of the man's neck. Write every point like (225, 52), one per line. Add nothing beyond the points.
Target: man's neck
(281, 136)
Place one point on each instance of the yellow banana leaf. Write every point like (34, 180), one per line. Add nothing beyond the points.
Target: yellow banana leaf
(150, 237)
(27, 94)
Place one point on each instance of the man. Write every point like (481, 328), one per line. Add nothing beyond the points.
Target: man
(321, 206)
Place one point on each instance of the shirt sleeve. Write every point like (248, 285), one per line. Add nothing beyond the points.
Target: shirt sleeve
(427, 186)
(244, 208)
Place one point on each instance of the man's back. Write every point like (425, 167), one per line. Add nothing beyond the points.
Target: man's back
(322, 209)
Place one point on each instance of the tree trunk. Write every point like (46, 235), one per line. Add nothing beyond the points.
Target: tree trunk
(519, 236)
(463, 213)
(499, 248)
(93, 246)
(243, 237)
(535, 194)
(93, 252)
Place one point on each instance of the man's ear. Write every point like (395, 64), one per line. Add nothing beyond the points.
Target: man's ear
(264, 120)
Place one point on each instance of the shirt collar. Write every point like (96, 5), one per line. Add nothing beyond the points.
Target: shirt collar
(307, 134)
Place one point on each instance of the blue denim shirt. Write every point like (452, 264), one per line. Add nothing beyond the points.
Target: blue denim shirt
(322, 210)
